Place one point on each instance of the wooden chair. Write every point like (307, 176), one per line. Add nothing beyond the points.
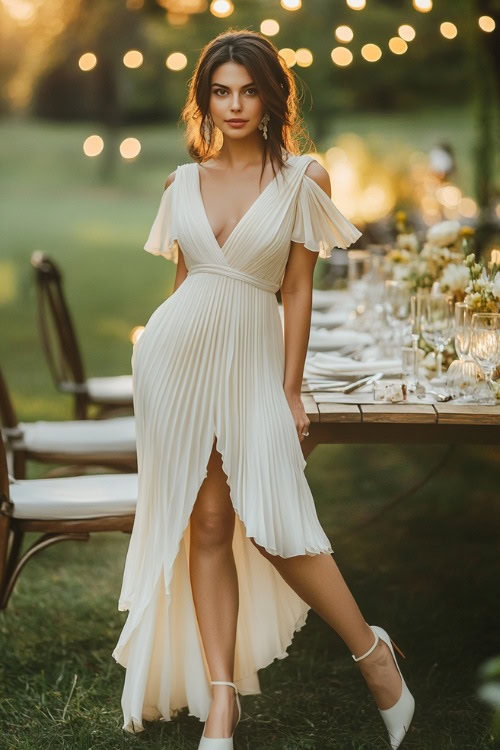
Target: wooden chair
(61, 348)
(63, 509)
(73, 443)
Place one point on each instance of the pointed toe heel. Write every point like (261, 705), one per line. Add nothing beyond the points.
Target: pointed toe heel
(220, 743)
(398, 717)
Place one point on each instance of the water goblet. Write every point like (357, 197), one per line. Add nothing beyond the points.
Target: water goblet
(397, 307)
(484, 347)
(437, 324)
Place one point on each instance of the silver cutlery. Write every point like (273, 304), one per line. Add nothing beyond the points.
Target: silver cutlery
(364, 381)
(347, 388)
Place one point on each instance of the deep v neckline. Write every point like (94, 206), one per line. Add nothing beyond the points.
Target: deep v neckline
(245, 215)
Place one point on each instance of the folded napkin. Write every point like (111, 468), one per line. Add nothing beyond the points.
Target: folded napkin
(322, 299)
(326, 364)
(330, 319)
(323, 340)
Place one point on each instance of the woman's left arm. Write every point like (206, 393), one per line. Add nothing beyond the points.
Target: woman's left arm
(296, 296)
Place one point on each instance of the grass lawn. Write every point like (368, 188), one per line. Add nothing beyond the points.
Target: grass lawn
(427, 572)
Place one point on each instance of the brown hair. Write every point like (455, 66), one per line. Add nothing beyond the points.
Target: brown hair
(276, 86)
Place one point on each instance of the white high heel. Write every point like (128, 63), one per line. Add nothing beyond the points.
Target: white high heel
(220, 743)
(397, 718)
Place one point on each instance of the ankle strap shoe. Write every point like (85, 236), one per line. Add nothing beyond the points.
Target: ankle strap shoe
(220, 743)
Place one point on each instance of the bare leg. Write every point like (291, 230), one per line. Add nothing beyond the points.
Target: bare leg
(214, 584)
(319, 582)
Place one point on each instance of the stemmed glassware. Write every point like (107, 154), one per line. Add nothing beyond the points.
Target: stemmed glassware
(464, 376)
(397, 307)
(358, 268)
(437, 325)
(484, 347)
(415, 327)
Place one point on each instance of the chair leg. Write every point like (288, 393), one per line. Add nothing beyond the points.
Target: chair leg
(19, 464)
(14, 567)
(80, 406)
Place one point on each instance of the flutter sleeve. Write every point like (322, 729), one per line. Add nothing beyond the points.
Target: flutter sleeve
(162, 238)
(318, 222)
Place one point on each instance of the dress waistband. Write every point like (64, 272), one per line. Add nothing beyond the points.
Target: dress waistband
(267, 286)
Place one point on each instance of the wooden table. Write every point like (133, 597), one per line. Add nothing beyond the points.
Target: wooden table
(438, 423)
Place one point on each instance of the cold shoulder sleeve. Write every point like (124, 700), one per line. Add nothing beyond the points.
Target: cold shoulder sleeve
(318, 222)
(162, 238)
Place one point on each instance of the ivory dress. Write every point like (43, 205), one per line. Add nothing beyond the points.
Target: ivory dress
(210, 365)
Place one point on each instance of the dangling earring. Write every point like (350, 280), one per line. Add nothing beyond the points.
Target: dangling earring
(206, 129)
(263, 125)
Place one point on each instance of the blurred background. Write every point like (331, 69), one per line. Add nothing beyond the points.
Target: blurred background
(401, 99)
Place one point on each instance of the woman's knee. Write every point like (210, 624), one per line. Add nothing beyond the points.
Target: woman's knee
(212, 528)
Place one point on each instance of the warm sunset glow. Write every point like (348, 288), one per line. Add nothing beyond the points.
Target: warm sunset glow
(406, 32)
(397, 45)
(371, 52)
(130, 148)
(176, 61)
(22, 11)
(269, 27)
(304, 57)
(344, 34)
(448, 30)
(135, 334)
(221, 8)
(341, 56)
(93, 145)
(88, 61)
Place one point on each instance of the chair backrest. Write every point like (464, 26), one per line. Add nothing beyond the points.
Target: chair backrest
(56, 327)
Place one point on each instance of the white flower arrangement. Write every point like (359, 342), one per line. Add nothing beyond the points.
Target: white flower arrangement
(482, 293)
(443, 248)
(455, 279)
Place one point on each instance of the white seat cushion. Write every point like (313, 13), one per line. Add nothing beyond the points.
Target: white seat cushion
(67, 498)
(117, 388)
(79, 436)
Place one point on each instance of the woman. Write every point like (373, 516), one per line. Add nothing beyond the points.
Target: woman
(227, 554)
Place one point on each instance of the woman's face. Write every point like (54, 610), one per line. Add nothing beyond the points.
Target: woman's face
(233, 96)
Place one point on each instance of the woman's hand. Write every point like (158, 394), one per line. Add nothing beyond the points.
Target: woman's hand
(300, 417)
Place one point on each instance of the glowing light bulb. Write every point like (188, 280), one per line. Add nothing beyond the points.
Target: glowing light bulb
(406, 32)
(371, 52)
(130, 148)
(341, 56)
(269, 27)
(486, 23)
(87, 61)
(344, 34)
(448, 30)
(93, 145)
(221, 8)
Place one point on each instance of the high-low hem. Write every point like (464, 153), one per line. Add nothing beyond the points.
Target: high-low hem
(209, 365)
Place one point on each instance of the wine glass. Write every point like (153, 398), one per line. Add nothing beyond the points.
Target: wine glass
(437, 324)
(463, 318)
(464, 376)
(397, 307)
(484, 347)
(358, 267)
(415, 325)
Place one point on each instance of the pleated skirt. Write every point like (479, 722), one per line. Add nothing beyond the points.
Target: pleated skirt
(209, 366)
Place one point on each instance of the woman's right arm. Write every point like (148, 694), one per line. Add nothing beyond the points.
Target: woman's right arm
(181, 272)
